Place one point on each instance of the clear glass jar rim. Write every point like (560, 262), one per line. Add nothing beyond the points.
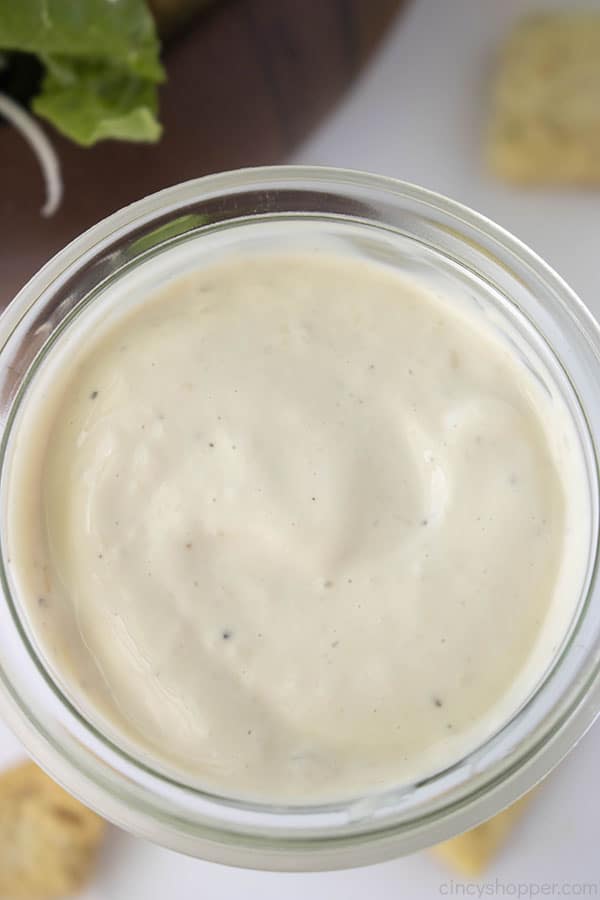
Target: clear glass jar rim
(465, 811)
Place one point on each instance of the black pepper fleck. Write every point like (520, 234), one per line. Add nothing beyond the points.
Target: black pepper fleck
(42, 601)
(437, 702)
(226, 635)
(93, 395)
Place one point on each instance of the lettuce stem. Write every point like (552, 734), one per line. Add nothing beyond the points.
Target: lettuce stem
(45, 154)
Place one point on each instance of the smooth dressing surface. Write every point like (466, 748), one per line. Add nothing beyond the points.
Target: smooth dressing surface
(297, 527)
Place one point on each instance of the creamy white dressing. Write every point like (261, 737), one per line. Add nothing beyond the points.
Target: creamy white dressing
(298, 527)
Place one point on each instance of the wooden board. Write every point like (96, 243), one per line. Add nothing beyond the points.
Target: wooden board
(247, 80)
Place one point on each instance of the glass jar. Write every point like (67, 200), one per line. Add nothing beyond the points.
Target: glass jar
(376, 218)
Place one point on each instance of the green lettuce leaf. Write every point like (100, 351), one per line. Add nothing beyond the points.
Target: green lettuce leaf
(102, 65)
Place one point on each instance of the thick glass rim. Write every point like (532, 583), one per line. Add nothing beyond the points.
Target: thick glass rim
(346, 833)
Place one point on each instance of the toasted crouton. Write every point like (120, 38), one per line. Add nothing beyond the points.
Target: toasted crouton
(470, 853)
(48, 840)
(545, 125)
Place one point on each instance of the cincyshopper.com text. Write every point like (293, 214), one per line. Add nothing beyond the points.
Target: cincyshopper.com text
(519, 889)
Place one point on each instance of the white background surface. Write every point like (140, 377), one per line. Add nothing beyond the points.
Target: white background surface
(418, 114)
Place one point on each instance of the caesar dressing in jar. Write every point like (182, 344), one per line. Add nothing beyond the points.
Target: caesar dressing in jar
(304, 527)
(299, 518)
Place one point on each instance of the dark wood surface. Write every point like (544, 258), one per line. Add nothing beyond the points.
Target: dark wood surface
(247, 80)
